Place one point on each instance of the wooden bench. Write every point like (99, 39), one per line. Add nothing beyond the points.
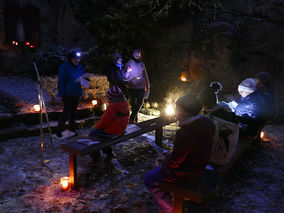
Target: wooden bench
(207, 184)
(76, 149)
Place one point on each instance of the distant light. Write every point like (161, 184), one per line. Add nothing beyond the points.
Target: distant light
(78, 54)
(261, 134)
(170, 110)
(94, 102)
(183, 78)
(155, 105)
(37, 107)
(32, 46)
(27, 43)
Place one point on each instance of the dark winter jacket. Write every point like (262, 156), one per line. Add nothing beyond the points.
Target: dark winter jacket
(115, 75)
(192, 150)
(67, 76)
(115, 119)
(255, 110)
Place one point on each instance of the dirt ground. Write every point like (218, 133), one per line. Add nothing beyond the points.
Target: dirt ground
(255, 184)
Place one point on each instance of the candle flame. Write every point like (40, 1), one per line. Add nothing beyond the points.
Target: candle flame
(94, 102)
(37, 107)
(183, 78)
(64, 183)
(261, 134)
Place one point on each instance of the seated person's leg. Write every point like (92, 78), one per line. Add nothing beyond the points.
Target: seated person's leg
(162, 197)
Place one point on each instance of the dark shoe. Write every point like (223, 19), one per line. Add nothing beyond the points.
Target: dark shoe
(58, 134)
(110, 156)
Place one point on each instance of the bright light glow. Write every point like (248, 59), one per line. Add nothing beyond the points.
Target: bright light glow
(129, 69)
(32, 46)
(183, 78)
(94, 102)
(170, 110)
(37, 107)
(27, 43)
(64, 183)
(261, 134)
(78, 54)
(103, 107)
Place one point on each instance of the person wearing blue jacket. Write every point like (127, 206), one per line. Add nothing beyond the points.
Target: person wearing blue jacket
(69, 91)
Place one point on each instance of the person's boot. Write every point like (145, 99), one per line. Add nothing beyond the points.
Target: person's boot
(109, 153)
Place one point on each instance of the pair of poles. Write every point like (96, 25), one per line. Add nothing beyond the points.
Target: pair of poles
(42, 107)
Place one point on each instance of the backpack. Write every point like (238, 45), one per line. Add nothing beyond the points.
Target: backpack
(225, 140)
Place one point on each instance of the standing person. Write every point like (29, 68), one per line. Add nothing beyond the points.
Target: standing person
(138, 84)
(115, 73)
(69, 91)
(114, 120)
(191, 153)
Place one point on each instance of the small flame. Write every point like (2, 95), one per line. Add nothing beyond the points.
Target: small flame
(64, 183)
(94, 102)
(170, 110)
(261, 134)
(37, 107)
(183, 78)
(27, 43)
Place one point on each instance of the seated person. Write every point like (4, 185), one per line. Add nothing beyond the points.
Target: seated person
(257, 108)
(191, 153)
(114, 120)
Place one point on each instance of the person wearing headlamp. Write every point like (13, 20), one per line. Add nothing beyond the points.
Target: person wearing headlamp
(69, 90)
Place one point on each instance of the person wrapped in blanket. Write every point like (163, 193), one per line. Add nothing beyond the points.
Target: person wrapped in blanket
(113, 122)
(191, 153)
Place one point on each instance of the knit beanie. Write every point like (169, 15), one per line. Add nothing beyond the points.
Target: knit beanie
(189, 104)
(115, 94)
(208, 96)
(247, 85)
(263, 77)
(115, 57)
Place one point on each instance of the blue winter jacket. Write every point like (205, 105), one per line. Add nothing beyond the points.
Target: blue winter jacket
(255, 111)
(67, 75)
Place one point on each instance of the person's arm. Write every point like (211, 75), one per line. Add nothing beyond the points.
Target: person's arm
(106, 118)
(62, 76)
(179, 153)
(145, 75)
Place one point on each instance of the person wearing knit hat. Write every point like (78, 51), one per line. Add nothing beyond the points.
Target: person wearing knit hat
(115, 73)
(247, 87)
(187, 162)
(114, 120)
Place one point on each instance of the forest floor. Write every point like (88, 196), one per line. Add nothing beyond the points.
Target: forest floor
(255, 184)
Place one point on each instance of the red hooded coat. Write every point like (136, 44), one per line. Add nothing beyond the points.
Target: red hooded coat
(115, 119)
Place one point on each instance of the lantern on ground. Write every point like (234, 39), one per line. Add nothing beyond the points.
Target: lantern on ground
(65, 183)
(184, 77)
(37, 107)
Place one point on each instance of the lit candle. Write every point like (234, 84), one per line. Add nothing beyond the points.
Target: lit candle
(64, 183)
(183, 78)
(37, 107)
(170, 110)
(94, 102)
(261, 134)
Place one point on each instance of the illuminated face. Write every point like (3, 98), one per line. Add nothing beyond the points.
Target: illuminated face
(119, 61)
(137, 55)
(75, 61)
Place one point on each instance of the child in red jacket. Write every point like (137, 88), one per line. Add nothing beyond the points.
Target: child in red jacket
(114, 120)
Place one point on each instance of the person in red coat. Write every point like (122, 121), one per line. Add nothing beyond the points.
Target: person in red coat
(192, 149)
(114, 120)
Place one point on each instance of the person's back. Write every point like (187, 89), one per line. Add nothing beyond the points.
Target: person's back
(192, 150)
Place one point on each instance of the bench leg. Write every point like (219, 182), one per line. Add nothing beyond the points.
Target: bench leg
(159, 136)
(73, 171)
(178, 203)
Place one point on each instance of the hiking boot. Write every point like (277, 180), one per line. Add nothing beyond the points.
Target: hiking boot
(59, 134)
